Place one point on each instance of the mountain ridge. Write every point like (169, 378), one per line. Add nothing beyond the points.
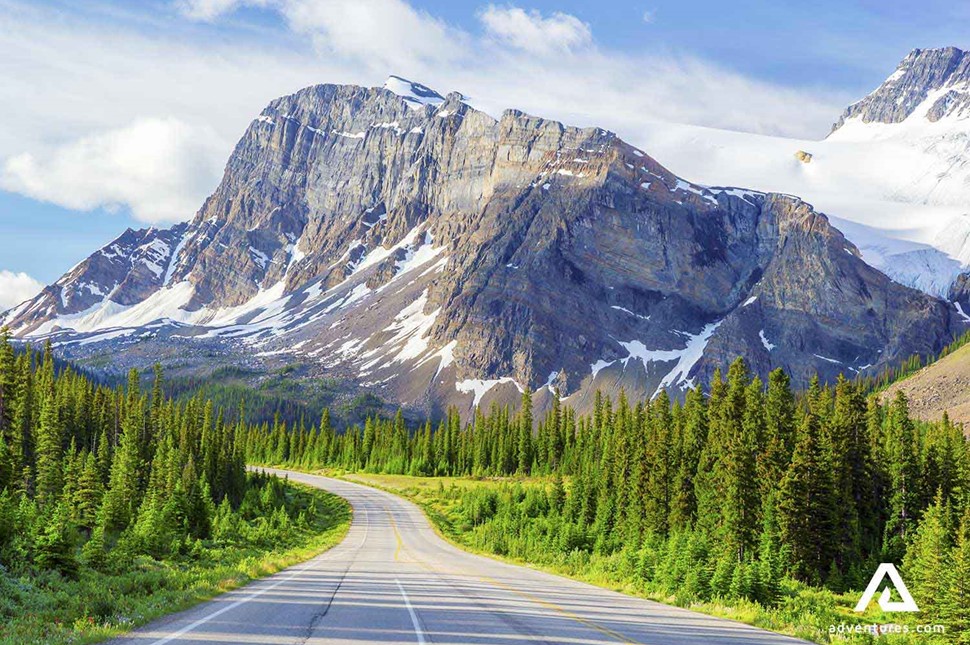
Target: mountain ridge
(939, 77)
(441, 256)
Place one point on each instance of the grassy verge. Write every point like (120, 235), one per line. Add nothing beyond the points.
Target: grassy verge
(802, 611)
(47, 608)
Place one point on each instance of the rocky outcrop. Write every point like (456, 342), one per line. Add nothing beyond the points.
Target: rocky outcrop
(429, 252)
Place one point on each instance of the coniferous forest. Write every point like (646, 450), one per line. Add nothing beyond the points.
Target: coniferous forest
(117, 505)
(725, 495)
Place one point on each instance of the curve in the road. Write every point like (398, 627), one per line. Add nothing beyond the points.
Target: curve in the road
(393, 580)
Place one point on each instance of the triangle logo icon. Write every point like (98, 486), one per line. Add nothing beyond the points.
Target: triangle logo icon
(887, 569)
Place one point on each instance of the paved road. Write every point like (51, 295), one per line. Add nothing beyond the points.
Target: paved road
(392, 580)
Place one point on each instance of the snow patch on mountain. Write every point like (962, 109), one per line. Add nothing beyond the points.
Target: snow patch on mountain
(416, 94)
(764, 341)
(481, 387)
(409, 339)
(686, 358)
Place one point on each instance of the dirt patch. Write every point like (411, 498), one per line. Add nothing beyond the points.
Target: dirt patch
(943, 386)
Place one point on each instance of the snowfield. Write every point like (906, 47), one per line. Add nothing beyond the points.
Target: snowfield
(900, 192)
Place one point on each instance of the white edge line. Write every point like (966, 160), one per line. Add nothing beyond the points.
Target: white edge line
(241, 601)
(414, 617)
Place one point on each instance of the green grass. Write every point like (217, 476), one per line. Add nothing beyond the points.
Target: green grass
(803, 611)
(47, 608)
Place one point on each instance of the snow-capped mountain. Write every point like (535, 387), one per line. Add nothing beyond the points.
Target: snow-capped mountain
(894, 174)
(419, 248)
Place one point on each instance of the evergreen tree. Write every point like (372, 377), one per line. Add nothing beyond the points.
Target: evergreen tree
(926, 561)
(49, 450)
(903, 473)
(121, 498)
(954, 600)
(804, 506)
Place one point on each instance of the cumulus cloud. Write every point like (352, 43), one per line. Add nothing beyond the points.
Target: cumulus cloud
(377, 33)
(388, 33)
(161, 168)
(16, 288)
(533, 33)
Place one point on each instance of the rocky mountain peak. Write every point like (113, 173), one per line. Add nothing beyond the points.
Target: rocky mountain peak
(928, 83)
(418, 248)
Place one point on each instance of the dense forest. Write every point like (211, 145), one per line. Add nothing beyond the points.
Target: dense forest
(95, 479)
(723, 495)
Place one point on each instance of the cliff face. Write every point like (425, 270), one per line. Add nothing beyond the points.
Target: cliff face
(430, 253)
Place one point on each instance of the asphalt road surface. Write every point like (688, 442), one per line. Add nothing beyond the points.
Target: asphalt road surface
(393, 580)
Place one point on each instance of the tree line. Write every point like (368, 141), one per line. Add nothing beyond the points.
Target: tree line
(95, 476)
(737, 487)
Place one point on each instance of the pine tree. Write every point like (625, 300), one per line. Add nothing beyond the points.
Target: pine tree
(8, 383)
(122, 497)
(55, 544)
(692, 439)
(524, 447)
(736, 469)
(903, 467)
(846, 454)
(954, 601)
(805, 507)
(87, 497)
(660, 467)
(49, 450)
(23, 431)
(927, 557)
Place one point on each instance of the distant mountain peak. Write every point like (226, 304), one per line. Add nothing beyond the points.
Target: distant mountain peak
(928, 84)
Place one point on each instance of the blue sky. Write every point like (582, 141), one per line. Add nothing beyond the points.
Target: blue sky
(122, 114)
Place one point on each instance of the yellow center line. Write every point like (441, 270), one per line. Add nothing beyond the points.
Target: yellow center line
(397, 536)
(565, 612)
(539, 601)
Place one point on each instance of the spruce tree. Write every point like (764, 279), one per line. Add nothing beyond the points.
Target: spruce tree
(524, 449)
(804, 507)
(122, 497)
(926, 561)
(49, 449)
(954, 601)
(903, 468)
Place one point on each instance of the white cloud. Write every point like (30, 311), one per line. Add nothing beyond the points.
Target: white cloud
(531, 32)
(161, 168)
(207, 9)
(15, 288)
(649, 16)
(80, 93)
(381, 33)
(376, 33)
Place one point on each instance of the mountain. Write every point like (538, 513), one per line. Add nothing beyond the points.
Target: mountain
(404, 242)
(894, 171)
(932, 84)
